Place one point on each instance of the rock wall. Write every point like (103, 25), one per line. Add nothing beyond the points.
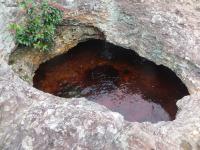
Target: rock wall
(165, 32)
(8, 11)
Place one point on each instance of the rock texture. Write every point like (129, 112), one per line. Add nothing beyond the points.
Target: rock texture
(165, 32)
(25, 61)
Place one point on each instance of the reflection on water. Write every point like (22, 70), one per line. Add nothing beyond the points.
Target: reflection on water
(114, 77)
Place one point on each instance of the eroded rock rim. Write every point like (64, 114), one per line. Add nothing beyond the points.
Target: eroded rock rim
(167, 33)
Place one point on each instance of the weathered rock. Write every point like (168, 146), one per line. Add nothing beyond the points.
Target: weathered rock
(165, 32)
(25, 61)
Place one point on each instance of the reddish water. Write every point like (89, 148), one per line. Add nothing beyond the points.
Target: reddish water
(114, 77)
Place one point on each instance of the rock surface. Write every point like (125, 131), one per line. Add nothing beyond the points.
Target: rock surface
(165, 32)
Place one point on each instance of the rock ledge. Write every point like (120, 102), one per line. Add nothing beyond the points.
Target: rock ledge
(167, 33)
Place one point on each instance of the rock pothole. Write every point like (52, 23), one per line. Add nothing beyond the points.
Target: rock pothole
(32, 119)
(112, 76)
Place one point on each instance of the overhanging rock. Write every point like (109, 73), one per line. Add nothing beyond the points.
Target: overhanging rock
(167, 33)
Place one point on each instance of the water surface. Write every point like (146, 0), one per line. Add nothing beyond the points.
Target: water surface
(114, 77)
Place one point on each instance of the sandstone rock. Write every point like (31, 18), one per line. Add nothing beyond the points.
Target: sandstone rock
(165, 32)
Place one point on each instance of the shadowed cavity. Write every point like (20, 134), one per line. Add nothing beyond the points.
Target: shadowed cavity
(114, 77)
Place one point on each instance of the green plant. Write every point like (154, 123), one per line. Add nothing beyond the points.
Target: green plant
(38, 29)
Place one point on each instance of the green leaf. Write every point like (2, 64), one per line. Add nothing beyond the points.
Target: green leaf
(39, 30)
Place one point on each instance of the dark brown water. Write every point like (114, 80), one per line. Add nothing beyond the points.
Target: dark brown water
(114, 77)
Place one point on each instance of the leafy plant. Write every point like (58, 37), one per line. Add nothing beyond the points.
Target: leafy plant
(39, 28)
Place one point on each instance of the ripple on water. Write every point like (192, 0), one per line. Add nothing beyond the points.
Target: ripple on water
(114, 77)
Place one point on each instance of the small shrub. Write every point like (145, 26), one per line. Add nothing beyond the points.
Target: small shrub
(39, 28)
